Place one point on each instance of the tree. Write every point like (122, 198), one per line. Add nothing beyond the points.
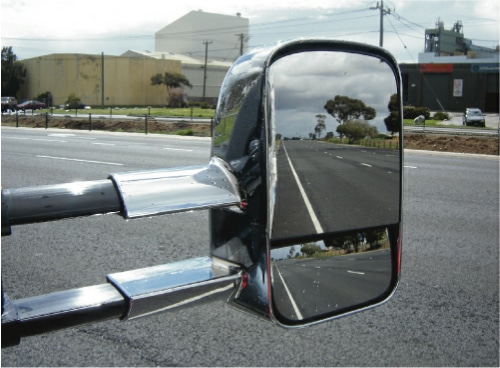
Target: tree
(320, 118)
(13, 72)
(344, 109)
(356, 130)
(392, 122)
(72, 102)
(310, 248)
(170, 80)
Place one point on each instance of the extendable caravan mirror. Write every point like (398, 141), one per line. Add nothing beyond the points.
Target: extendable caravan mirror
(320, 234)
(304, 201)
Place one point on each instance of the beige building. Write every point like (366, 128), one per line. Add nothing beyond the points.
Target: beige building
(185, 46)
(203, 84)
(126, 80)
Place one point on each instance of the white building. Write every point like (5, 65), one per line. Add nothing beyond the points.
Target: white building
(222, 37)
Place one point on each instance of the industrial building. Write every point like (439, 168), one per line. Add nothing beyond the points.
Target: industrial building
(452, 74)
(200, 45)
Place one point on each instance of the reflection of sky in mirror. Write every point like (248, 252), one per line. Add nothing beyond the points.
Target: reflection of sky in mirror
(305, 81)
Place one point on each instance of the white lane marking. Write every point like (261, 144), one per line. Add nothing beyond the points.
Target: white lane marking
(104, 144)
(292, 301)
(74, 159)
(37, 139)
(366, 164)
(339, 157)
(314, 218)
(356, 272)
(410, 167)
(61, 135)
(178, 149)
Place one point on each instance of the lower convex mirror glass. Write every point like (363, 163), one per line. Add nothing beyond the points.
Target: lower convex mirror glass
(317, 278)
(335, 188)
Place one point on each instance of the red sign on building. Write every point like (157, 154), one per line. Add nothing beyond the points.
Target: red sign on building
(436, 68)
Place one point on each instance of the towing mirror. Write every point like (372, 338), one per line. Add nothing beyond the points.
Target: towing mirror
(303, 192)
(319, 236)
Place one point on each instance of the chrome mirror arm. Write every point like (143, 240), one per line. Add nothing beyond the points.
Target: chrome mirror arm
(127, 295)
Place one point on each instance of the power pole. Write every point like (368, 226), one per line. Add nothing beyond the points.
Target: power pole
(380, 6)
(102, 79)
(206, 43)
(242, 39)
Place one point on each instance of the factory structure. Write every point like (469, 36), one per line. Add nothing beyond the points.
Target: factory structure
(200, 45)
(451, 74)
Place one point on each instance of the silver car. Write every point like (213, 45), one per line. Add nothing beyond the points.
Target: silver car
(473, 116)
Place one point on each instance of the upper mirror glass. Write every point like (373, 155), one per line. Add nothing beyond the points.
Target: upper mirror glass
(335, 160)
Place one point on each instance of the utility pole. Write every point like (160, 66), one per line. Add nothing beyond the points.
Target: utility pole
(242, 39)
(206, 43)
(380, 6)
(102, 79)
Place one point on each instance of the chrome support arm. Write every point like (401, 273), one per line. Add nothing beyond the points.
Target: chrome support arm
(133, 194)
(158, 192)
(52, 202)
(128, 294)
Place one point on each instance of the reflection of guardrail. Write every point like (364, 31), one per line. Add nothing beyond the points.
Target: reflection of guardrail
(451, 131)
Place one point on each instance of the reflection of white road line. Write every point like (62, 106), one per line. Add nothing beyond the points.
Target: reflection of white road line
(292, 301)
(356, 272)
(314, 219)
(189, 300)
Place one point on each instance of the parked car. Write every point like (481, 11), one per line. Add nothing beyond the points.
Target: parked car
(9, 103)
(31, 105)
(75, 105)
(473, 116)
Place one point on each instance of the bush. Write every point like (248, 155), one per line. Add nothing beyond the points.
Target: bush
(73, 101)
(411, 112)
(45, 97)
(177, 98)
(441, 115)
(185, 132)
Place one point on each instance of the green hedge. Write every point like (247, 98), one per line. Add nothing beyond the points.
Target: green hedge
(411, 112)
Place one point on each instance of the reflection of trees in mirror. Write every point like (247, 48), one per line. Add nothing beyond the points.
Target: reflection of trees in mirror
(332, 245)
(352, 114)
(393, 121)
(320, 126)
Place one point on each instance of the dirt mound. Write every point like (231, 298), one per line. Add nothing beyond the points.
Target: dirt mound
(431, 142)
(452, 143)
(113, 125)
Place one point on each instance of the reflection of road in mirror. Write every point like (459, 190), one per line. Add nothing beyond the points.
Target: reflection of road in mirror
(315, 279)
(325, 187)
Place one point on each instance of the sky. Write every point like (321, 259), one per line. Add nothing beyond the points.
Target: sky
(34, 28)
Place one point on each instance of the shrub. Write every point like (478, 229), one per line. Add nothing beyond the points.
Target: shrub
(411, 112)
(185, 132)
(177, 98)
(441, 115)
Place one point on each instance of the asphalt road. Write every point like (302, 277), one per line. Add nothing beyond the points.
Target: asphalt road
(445, 311)
(345, 187)
(312, 286)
